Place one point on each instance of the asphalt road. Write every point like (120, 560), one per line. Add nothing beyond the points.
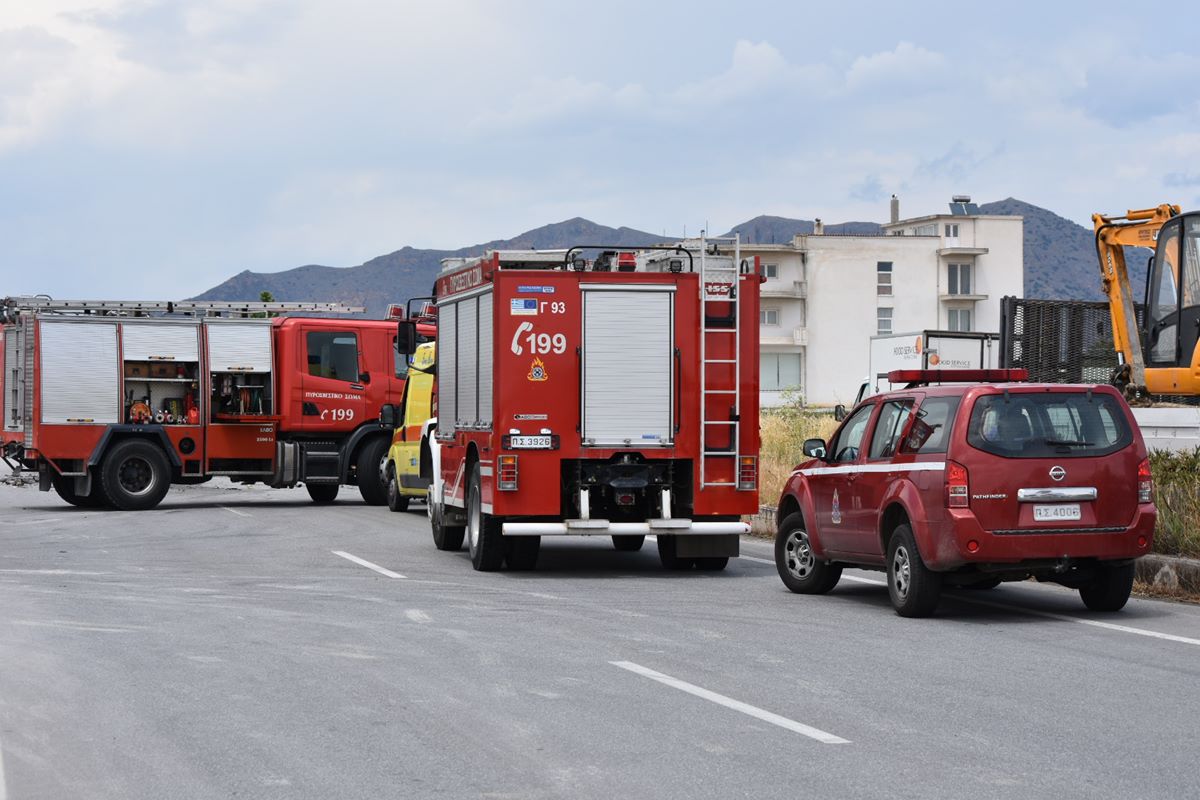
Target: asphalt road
(220, 647)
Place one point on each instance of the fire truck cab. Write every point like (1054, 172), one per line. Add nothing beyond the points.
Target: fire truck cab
(612, 395)
(111, 402)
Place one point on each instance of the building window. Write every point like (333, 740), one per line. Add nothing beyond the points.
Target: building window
(771, 270)
(884, 321)
(951, 230)
(883, 278)
(925, 230)
(768, 316)
(958, 279)
(959, 319)
(780, 371)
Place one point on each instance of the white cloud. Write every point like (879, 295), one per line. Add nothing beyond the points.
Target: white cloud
(906, 66)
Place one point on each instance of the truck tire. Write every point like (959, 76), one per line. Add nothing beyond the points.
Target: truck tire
(64, 487)
(483, 531)
(629, 543)
(800, 570)
(445, 537)
(395, 500)
(322, 493)
(666, 554)
(913, 587)
(134, 475)
(1109, 590)
(369, 471)
(521, 552)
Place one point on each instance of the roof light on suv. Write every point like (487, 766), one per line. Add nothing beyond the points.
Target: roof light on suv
(915, 377)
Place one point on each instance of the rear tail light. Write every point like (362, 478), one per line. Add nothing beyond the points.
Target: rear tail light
(957, 489)
(747, 472)
(1145, 482)
(506, 473)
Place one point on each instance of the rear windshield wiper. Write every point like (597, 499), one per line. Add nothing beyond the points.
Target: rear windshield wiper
(1066, 443)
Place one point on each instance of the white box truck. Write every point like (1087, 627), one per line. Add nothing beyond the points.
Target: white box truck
(927, 350)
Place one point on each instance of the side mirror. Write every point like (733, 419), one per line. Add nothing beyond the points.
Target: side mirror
(364, 377)
(387, 416)
(406, 337)
(839, 412)
(814, 448)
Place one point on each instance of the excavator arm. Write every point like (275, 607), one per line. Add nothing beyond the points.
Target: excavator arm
(1137, 228)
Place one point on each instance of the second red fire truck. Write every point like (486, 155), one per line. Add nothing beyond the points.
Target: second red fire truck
(607, 396)
(111, 402)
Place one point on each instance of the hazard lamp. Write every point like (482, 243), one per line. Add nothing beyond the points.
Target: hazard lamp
(506, 473)
(1145, 482)
(395, 311)
(747, 473)
(957, 486)
(926, 376)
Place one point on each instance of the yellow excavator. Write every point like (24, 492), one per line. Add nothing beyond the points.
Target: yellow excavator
(1163, 357)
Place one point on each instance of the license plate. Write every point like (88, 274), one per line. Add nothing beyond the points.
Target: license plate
(530, 442)
(1054, 513)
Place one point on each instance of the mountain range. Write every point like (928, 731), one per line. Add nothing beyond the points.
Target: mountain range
(1060, 259)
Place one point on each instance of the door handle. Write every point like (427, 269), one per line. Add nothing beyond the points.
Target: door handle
(358, 387)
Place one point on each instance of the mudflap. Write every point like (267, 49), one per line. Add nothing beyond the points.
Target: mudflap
(717, 546)
(44, 478)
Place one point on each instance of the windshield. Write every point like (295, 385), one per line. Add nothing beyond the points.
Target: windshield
(1051, 425)
(1162, 317)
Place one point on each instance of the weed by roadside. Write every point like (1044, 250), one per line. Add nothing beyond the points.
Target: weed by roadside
(1177, 495)
(783, 434)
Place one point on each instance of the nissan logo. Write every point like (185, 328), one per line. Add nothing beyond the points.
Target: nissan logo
(1058, 473)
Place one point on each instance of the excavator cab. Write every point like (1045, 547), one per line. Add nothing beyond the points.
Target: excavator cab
(1171, 328)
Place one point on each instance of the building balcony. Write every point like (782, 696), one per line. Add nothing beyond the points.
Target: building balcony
(795, 289)
(962, 251)
(798, 337)
(962, 298)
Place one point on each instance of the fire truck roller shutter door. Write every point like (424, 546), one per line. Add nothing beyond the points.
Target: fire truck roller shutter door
(447, 353)
(467, 405)
(147, 341)
(244, 346)
(627, 333)
(485, 358)
(80, 373)
(14, 337)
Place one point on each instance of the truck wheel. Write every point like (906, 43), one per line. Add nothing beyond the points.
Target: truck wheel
(666, 554)
(712, 563)
(322, 493)
(483, 531)
(913, 588)
(395, 500)
(135, 475)
(800, 570)
(65, 488)
(522, 551)
(1109, 590)
(445, 537)
(629, 544)
(369, 473)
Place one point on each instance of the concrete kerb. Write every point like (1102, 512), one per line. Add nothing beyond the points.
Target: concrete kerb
(1167, 574)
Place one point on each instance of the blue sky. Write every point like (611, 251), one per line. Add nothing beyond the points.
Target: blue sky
(152, 149)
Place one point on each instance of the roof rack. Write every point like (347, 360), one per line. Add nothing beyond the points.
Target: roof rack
(11, 306)
(923, 377)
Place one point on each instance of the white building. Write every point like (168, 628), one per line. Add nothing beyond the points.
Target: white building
(826, 295)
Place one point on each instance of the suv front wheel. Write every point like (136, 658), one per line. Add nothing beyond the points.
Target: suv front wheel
(799, 569)
(913, 587)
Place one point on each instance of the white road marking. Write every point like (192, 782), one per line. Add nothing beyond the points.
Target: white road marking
(1111, 626)
(728, 702)
(51, 572)
(234, 511)
(38, 521)
(759, 560)
(417, 615)
(364, 563)
(3, 783)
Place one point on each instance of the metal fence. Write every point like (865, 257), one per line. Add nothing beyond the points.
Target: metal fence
(1062, 341)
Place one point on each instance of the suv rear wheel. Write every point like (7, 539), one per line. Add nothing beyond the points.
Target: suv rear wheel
(1109, 590)
(798, 568)
(913, 588)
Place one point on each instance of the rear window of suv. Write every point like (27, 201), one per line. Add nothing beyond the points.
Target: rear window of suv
(1050, 425)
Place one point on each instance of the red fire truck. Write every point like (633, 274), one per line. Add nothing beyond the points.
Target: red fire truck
(616, 396)
(111, 402)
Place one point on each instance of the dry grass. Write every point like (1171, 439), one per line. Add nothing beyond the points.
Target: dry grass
(1177, 495)
(783, 435)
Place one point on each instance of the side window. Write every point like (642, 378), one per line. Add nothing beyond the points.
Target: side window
(930, 431)
(893, 418)
(333, 354)
(849, 439)
(400, 362)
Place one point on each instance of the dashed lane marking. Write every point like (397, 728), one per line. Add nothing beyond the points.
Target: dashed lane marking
(235, 511)
(729, 702)
(362, 562)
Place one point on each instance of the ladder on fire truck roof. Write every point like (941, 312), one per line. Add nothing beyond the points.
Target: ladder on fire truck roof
(718, 285)
(10, 306)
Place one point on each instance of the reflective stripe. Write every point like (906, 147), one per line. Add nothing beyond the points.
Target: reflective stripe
(854, 469)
